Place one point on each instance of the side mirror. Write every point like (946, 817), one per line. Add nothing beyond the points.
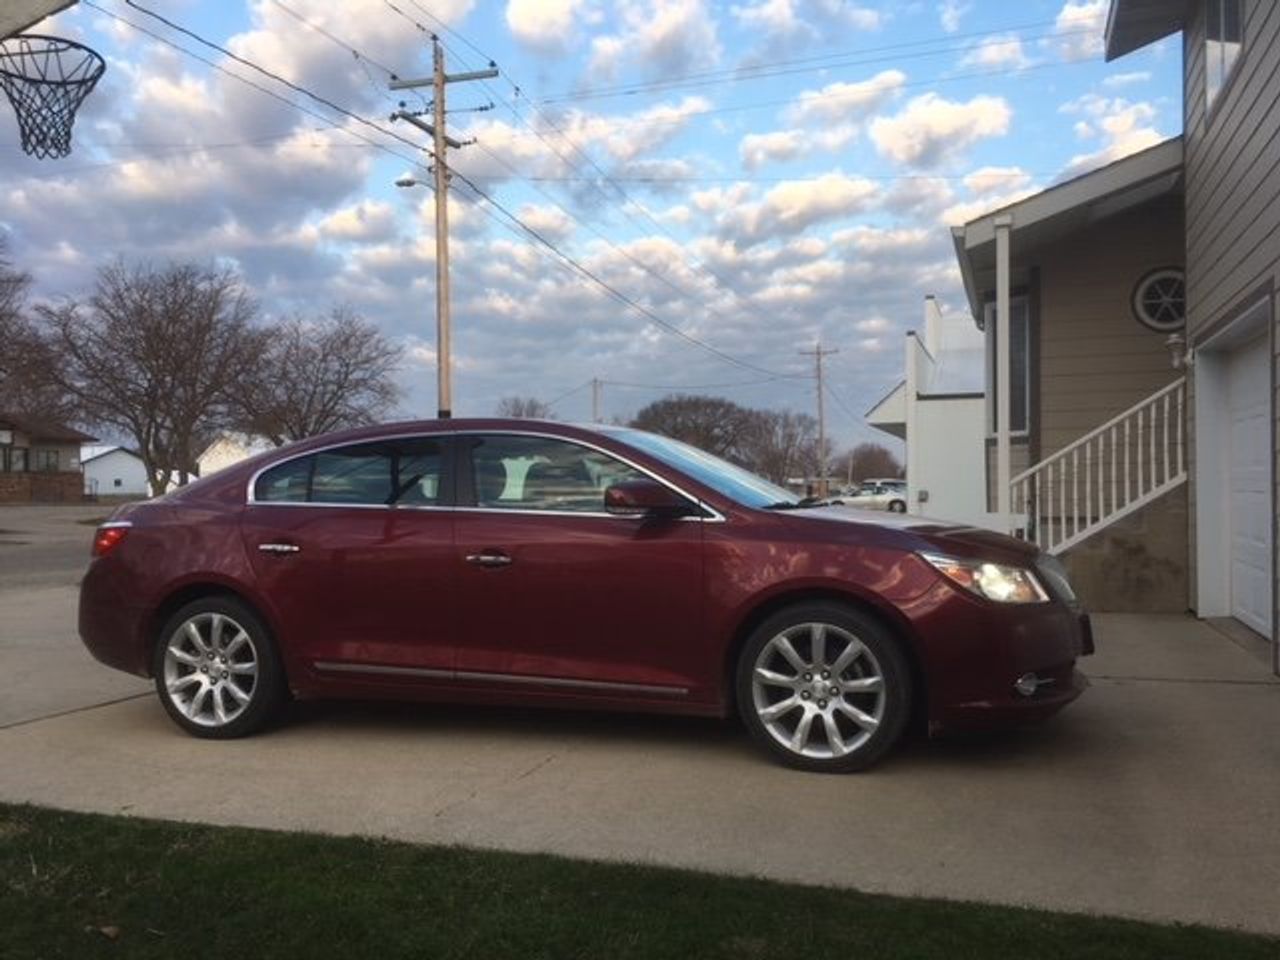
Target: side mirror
(645, 498)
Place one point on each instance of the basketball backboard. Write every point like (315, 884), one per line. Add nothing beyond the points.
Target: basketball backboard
(18, 15)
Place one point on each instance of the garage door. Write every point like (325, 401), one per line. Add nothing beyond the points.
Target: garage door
(1249, 405)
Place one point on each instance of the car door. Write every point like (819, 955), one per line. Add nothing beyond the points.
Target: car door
(353, 550)
(560, 594)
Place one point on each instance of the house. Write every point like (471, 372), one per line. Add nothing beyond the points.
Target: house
(1085, 450)
(1131, 416)
(1231, 119)
(937, 409)
(229, 448)
(39, 460)
(113, 471)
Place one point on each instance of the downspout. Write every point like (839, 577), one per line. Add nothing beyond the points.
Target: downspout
(1003, 227)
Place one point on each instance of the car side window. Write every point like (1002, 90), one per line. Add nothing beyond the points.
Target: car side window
(286, 483)
(381, 473)
(356, 474)
(512, 472)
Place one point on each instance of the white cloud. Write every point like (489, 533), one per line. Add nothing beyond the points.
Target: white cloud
(367, 220)
(661, 37)
(842, 101)
(986, 180)
(758, 149)
(997, 52)
(1080, 25)
(931, 129)
(550, 221)
(793, 206)
(543, 25)
(776, 17)
(1127, 79)
(874, 325)
(1125, 127)
(950, 13)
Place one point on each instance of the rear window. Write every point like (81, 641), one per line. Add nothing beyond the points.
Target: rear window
(379, 473)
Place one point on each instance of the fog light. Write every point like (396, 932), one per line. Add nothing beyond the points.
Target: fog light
(1027, 684)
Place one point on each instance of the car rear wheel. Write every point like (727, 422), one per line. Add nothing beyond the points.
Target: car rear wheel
(823, 687)
(216, 669)
(897, 506)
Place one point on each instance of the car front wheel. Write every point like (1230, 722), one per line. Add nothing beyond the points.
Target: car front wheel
(897, 506)
(824, 688)
(216, 669)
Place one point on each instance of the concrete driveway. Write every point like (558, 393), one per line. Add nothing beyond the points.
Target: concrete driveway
(1156, 796)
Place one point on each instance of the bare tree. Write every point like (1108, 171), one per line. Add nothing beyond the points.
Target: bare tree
(152, 354)
(869, 460)
(26, 365)
(316, 375)
(525, 408)
(782, 444)
(712, 424)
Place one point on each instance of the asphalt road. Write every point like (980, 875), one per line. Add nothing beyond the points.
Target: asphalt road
(1155, 796)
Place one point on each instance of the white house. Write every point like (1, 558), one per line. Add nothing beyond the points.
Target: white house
(112, 471)
(229, 448)
(937, 409)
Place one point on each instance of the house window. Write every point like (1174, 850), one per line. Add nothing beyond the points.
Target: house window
(1223, 38)
(1019, 365)
(15, 459)
(46, 461)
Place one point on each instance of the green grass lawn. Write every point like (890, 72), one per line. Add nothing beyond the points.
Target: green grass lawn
(174, 890)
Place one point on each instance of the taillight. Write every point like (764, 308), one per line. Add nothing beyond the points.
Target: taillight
(110, 536)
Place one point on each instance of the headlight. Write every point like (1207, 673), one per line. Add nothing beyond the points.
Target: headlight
(991, 580)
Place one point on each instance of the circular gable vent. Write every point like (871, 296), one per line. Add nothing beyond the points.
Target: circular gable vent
(1160, 300)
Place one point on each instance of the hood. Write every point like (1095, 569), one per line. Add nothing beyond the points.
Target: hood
(922, 533)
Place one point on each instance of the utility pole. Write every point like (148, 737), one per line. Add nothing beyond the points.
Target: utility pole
(818, 353)
(596, 385)
(440, 143)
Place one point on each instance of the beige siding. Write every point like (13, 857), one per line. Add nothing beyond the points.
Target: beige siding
(1096, 359)
(1232, 180)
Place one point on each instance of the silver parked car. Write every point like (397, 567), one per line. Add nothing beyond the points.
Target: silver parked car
(882, 494)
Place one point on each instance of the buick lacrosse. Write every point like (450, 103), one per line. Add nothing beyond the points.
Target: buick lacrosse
(522, 562)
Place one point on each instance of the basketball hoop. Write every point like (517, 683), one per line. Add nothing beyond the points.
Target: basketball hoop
(46, 79)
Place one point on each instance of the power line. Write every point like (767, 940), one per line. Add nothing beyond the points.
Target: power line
(268, 73)
(328, 121)
(760, 72)
(792, 101)
(698, 264)
(514, 220)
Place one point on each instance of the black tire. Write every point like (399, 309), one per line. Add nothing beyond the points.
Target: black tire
(897, 506)
(883, 658)
(264, 689)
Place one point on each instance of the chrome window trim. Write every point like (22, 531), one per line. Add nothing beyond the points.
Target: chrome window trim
(715, 515)
(516, 678)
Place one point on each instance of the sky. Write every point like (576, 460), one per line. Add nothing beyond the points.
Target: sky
(753, 177)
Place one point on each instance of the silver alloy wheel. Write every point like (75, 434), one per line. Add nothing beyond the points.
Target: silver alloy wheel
(210, 669)
(818, 691)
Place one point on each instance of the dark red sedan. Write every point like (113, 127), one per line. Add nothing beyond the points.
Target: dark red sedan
(514, 561)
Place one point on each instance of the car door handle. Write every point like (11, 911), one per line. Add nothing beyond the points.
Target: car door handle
(489, 559)
(281, 548)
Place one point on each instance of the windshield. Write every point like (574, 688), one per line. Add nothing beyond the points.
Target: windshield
(737, 484)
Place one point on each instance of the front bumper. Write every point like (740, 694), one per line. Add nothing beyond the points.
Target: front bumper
(974, 652)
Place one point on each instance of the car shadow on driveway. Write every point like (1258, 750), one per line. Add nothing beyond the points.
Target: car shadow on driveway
(644, 733)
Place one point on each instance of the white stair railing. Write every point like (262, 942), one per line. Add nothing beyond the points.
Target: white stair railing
(1105, 475)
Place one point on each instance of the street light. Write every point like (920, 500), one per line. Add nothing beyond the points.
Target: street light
(444, 360)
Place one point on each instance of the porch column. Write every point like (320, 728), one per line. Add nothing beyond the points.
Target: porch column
(1003, 226)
